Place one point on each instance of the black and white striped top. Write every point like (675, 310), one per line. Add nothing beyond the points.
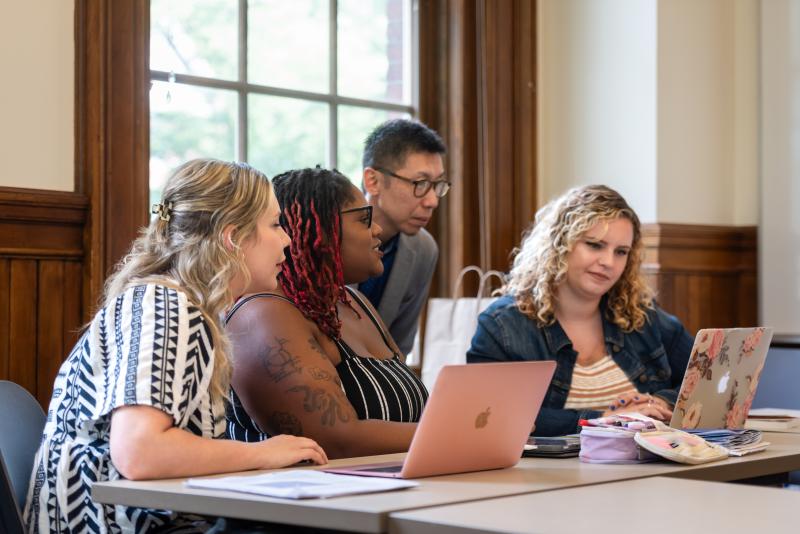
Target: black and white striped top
(383, 389)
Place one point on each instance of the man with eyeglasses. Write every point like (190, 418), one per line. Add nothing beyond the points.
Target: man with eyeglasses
(403, 180)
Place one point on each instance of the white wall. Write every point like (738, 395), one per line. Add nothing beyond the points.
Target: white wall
(37, 58)
(707, 111)
(779, 238)
(695, 111)
(597, 98)
(657, 98)
(746, 80)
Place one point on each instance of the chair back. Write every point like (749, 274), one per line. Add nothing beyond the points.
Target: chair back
(21, 424)
(10, 514)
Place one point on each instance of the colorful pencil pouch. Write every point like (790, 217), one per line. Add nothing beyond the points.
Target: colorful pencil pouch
(603, 445)
(610, 440)
(680, 446)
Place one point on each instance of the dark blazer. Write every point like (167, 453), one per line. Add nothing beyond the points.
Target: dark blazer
(407, 287)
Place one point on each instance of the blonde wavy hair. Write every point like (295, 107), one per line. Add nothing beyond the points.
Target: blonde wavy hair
(188, 252)
(540, 264)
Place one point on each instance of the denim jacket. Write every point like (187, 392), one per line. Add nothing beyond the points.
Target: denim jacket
(654, 358)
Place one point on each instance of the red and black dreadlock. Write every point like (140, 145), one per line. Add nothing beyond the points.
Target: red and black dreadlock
(312, 275)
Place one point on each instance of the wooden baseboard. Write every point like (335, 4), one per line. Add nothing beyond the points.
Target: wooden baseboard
(705, 275)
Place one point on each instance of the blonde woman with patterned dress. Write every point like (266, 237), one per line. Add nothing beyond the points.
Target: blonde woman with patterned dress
(142, 395)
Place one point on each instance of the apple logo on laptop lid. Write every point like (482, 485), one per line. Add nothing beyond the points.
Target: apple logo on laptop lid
(483, 418)
(722, 386)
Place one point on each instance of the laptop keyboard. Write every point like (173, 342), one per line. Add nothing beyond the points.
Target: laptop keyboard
(387, 469)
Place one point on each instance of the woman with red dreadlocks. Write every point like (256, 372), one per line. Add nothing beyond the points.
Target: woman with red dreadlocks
(313, 358)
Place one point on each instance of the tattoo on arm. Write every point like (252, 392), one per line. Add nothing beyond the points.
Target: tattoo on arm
(321, 374)
(316, 347)
(285, 423)
(319, 400)
(278, 361)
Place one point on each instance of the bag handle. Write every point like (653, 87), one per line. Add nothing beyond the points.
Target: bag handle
(485, 278)
(460, 278)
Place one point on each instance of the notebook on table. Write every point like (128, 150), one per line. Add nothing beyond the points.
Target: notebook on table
(721, 378)
(478, 417)
(774, 420)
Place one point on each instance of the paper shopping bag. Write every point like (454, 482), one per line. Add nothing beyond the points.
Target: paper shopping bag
(451, 323)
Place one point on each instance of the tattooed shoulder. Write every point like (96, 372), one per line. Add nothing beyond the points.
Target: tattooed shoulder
(285, 423)
(321, 374)
(326, 403)
(316, 347)
(278, 361)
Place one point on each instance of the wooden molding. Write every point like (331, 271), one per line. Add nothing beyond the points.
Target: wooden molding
(695, 248)
(706, 275)
(506, 125)
(42, 224)
(480, 96)
(112, 150)
(36, 204)
(41, 263)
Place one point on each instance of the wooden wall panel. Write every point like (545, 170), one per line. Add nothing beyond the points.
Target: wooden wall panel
(49, 332)
(705, 275)
(480, 95)
(75, 308)
(56, 248)
(23, 310)
(5, 316)
(112, 128)
(41, 284)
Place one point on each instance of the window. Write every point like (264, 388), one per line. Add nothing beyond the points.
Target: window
(279, 84)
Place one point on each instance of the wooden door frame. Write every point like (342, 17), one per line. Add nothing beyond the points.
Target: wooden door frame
(112, 130)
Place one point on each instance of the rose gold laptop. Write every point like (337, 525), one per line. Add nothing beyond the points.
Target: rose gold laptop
(478, 417)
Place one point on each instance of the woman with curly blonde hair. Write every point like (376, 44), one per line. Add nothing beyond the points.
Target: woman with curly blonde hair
(575, 294)
(142, 395)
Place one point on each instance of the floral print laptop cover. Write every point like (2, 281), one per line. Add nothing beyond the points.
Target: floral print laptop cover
(721, 378)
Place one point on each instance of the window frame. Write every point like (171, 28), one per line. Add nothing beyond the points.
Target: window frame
(332, 98)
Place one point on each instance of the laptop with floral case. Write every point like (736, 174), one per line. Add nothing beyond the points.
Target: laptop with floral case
(721, 378)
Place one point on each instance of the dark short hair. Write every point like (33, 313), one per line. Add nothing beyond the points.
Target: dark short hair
(389, 144)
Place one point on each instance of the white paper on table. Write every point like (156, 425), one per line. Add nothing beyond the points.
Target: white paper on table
(301, 484)
(774, 412)
(749, 449)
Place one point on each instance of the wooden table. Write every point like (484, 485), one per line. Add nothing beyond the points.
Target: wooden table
(370, 513)
(656, 505)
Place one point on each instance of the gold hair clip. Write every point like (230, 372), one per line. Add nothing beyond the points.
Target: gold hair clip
(164, 211)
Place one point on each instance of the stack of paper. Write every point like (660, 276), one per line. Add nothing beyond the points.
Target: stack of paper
(738, 442)
(774, 420)
(300, 484)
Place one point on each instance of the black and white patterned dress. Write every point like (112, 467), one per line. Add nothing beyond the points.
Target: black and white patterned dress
(150, 347)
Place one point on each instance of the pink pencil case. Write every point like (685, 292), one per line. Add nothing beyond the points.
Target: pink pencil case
(612, 446)
(610, 440)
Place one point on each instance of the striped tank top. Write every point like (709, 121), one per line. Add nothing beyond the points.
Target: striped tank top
(596, 386)
(377, 389)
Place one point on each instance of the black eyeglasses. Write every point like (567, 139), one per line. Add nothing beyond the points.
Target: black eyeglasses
(368, 209)
(421, 187)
